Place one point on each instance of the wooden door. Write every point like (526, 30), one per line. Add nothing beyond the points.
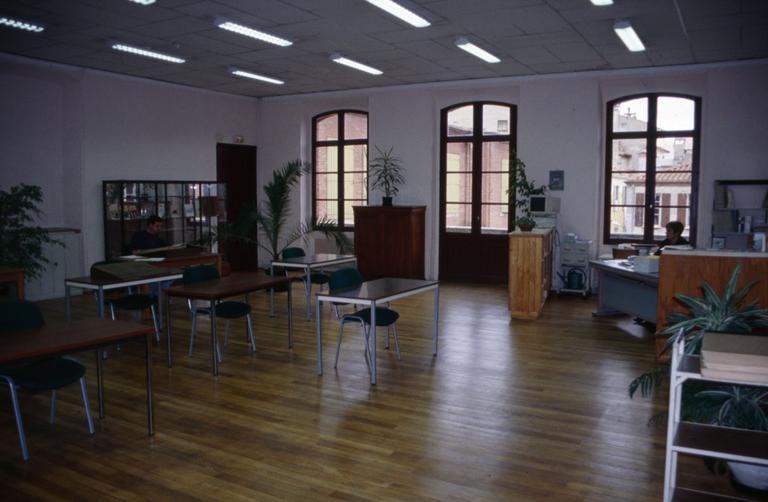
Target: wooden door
(477, 145)
(236, 166)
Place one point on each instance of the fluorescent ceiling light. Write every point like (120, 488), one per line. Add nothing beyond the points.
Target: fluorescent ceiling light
(250, 32)
(143, 2)
(464, 44)
(13, 23)
(601, 3)
(149, 54)
(627, 35)
(256, 76)
(401, 12)
(338, 58)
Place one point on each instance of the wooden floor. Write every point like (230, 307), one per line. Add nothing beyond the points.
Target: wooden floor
(507, 411)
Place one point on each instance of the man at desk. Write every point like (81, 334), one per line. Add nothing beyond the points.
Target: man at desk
(674, 236)
(149, 238)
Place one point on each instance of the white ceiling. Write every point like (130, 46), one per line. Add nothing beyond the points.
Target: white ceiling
(530, 36)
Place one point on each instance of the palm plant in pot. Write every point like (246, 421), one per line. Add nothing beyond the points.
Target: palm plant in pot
(707, 402)
(386, 174)
(521, 191)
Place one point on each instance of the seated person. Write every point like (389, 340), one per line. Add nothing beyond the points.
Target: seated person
(674, 236)
(149, 238)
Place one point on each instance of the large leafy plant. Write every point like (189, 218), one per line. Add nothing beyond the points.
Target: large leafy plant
(386, 172)
(270, 219)
(522, 188)
(21, 242)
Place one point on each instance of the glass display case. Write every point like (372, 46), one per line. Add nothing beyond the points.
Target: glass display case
(191, 212)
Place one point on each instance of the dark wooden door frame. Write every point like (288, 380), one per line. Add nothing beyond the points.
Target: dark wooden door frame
(243, 256)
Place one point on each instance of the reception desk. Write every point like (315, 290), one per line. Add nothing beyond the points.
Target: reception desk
(621, 290)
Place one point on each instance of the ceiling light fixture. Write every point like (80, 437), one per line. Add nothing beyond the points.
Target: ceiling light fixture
(338, 58)
(627, 35)
(601, 3)
(250, 32)
(13, 23)
(256, 76)
(148, 54)
(143, 2)
(401, 12)
(464, 44)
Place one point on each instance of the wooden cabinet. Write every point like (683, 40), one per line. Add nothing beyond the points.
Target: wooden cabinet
(530, 272)
(389, 241)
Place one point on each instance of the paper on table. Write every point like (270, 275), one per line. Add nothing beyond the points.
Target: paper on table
(134, 257)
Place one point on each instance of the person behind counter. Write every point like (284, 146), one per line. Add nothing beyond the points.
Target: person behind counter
(674, 236)
(149, 238)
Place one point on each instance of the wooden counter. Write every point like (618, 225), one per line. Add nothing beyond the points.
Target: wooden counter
(530, 272)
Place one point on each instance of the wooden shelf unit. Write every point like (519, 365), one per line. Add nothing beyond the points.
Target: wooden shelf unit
(530, 272)
(726, 443)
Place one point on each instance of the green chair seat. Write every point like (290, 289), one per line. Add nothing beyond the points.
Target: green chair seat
(384, 316)
(232, 310)
(48, 374)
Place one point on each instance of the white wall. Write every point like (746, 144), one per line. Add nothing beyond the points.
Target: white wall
(67, 129)
(560, 126)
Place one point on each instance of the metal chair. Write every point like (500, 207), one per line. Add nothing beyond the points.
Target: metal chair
(227, 310)
(48, 374)
(348, 278)
(314, 277)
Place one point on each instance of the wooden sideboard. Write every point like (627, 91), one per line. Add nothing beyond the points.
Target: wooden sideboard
(530, 272)
(389, 241)
(685, 271)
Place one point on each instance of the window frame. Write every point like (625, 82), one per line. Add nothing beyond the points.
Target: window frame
(340, 143)
(651, 135)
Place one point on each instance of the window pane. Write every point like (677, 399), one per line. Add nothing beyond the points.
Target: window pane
(459, 157)
(458, 187)
(326, 159)
(458, 218)
(627, 223)
(496, 120)
(349, 213)
(628, 188)
(355, 126)
(493, 219)
(496, 156)
(355, 158)
(675, 114)
(461, 121)
(327, 209)
(327, 128)
(494, 189)
(326, 186)
(354, 186)
(628, 155)
(674, 154)
(630, 115)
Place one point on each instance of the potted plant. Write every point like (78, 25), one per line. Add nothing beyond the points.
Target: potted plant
(386, 174)
(21, 242)
(271, 218)
(707, 402)
(522, 189)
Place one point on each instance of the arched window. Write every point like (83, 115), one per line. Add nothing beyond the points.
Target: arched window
(652, 164)
(339, 165)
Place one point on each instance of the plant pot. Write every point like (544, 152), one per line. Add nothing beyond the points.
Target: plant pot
(386, 201)
(750, 475)
(525, 228)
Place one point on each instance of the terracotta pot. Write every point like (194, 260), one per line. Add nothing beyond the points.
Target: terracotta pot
(525, 228)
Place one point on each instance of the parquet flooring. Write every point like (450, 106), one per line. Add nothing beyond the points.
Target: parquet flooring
(507, 411)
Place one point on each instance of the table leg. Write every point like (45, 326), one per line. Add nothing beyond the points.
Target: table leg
(67, 302)
(272, 294)
(213, 339)
(150, 404)
(435, 320)
(373, 339)
(100, 382)
(319, 331)
(290, 317)
(308, 290)
(100, 302)
(169, 343)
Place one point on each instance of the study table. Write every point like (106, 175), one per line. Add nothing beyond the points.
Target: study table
(371, 293)
(74, 336)
(307, 263)
(238, 283)
(621, 289)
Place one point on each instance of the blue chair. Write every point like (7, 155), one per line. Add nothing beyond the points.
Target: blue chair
(48, 374)
(227, 310)
(349, 278)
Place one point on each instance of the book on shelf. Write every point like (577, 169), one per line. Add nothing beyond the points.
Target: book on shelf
(737, 376)
(735, 349)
